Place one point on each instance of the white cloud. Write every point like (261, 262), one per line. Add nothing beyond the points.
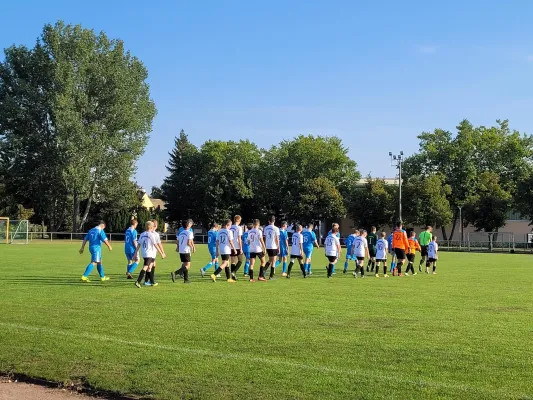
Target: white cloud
(428, 49)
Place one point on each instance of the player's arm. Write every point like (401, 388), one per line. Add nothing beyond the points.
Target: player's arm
(159, 248)
(262, 243)
(106, 242)
(218, 245)
(339, 248)
(191, 245)
(240, 242)
(83, 245)
(137, 248)
(277, 241)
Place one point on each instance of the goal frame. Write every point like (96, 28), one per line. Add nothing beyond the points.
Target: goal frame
(6, 219)
(510, 243)
(13, 233)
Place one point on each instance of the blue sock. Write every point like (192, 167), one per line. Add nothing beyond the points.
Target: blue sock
(209, 265)
(306, 267)
(88, 270)
(309, 267)
(132, 267)
(392, 266)
(277, 263)
(247, 267)
(333, 269)
(100, 269)
(346, 265)
(216, 264)
(284, 267)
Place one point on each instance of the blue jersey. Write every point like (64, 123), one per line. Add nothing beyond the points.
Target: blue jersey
(131, 237)
(349, 243)
(309, 239)
(212, 239)
(95, 237)
(338, 234)
(245, 243)
(283, 237)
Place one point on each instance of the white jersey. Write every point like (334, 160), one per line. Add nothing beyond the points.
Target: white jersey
(183, 241)
(360, 244)
(271, 232)
(433, 248)
(297, 242)
(237, 233)
(254, 237)
(225, 236)
(331, 245)
(157, 239)
(148, 242)
(382, 248)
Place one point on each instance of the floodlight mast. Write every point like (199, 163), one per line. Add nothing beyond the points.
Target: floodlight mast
(396, 161)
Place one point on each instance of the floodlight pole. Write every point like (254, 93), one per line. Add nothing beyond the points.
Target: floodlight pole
(396, 161)
(461, 226)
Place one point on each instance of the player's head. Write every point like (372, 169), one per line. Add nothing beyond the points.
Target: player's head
(297, 228)
(335, 229)
(257, 223)
(333, 225)
(383, 235)
(310, 226)
(101, 224)
(354, 230)
(189, 223)
(399, 225)
(250, 226)
(429, 228)
(357, 232)
(134, 223)
(214, 226)
(237, 219)
(373, 229)
(434, 238)
(228, 223)
(284, 224)
(364, 233)
(413, 234)
(154, 221)
(149, 226)
(271, 220)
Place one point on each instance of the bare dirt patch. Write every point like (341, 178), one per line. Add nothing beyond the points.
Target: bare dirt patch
(26, 391)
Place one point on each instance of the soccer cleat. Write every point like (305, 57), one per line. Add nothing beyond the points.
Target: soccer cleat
(218, 275)
(262, 279)
(85, 279)
(138, 284)
(213, 277)
(105, 278)
(233, 276)
(245, 275)
(354, 274)
(202, 272)
(272, 278)
(419, 268)
(288, 276)
(362, 276)
(128, 276)
(377, 275)
(147, 284)
(434, 273)
(231, 280)
(252, 280)
(187, 281)
(155, 284)
(344, 271)
(385, 276)
(406, 274)
(284, 274)
(400, 274)
(415, 274)
(173, 276)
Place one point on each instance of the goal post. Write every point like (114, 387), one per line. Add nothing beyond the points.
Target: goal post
(491, 241)
(4, 230)
(19, 231)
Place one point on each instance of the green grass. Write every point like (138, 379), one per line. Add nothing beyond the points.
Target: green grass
(464, 333)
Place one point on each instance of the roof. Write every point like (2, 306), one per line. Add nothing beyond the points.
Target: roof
(388, 181)
(158, 203)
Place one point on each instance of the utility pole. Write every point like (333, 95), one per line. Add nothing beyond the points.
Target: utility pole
(461, 226)
(396, 161)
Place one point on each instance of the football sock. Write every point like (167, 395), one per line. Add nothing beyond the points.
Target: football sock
(152, 275)
(384, 269)
(261, 272)
(232, 268)
(246, 267)
(267, 265)
(272, 269)
(330, 269)
(100, 269)
(277, 263)
(209, 265)
(290, 267)
(216, 264)
(218, 271)
(399, 266)
(374, 266)
(392, 266)
(284, 267)
(141, 276)
(434, 267)
(238, 265)
(228, 273)
(132, 267)
(346, 265)
(88, 270)
(363, 270)
(185, 275)
(251, 273)
(306, 267)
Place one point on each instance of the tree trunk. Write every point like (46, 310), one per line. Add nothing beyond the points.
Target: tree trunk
(88, 206)
(75, 212)
(453, 225)
(444, 235)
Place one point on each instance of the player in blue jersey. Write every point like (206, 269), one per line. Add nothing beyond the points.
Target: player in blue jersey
(95, 237)
(349, 242)
(283, 247)
(130, 246)
(391, 250)
(212, 247)
(246, 247)
(310, 242)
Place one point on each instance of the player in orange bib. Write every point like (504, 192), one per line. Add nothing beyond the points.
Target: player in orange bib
(413, 247)
(400, 245)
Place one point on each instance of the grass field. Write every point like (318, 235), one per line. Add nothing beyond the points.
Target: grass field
(464, 333)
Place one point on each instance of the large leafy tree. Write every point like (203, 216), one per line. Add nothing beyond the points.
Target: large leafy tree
(373, 204)
(320, 200)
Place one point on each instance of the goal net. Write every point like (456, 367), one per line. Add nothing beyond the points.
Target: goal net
(19, 231)
(491, 241)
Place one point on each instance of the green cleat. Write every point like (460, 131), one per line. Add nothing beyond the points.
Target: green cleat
(85, 279)
(155, 284)
(138, 284)
(105, 278)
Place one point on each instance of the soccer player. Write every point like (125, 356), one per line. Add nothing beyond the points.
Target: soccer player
(360, 251)
(185, 247)
(393, 261)
(335, 225)
(309, 243)
(246, 247)
(372, 240)
(147, 242)
(433, 255)
(130, 246)
(224, 248)
(349, 243)
(424, 239)
(382, 247)
(283, 247)
(297, 251)
(147, 279)
(411, 253)
(271, 234)
(95, 237)
(400, 244)
(257, 249)
(333, 249)
(236, 254)
(212, 247)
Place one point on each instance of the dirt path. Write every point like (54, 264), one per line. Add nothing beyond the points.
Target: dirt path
(25, 391)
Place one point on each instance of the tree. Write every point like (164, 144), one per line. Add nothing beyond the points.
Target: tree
(319, 199)
(373, 204)
(524, 196)
(156, 192)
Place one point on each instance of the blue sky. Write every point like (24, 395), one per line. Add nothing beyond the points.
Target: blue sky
(375, 73)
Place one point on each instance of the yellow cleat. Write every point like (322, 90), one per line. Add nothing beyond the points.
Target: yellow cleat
(213, 277)
(85, 279)
(155, 284)
(231, 280)
(105, 278)
(377, 275)
(385, 276)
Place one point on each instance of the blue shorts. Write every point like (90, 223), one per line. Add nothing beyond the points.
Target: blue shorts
(246, 254)
(350, 257)
(308, 252)
(213, 253)
(283, 252)
(130, 254)
(96, 254)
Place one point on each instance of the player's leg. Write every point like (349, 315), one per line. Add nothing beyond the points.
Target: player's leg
(400, 255)
(331, 265)
(239, 260)
(284, 259)
(385, 269)
(262, 267)
(273, 265)
(250, 271)
(186, 272)
(146, 263)
(101, 272)
(247, 263)
(435, 267)
(289, 268)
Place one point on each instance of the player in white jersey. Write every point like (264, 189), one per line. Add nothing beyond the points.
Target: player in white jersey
(147, 279)
(236, 254)
(333, 249)
(433, 255)
(272, 247)
(360, 251)
(382, 248)
(185, 247)
(148, 246)
(224, 247)
(297, 251)
(257, 249)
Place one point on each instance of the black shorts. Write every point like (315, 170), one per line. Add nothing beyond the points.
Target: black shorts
(411, 257)
(293, 257)
(400, 254)
(383, 261)
(185, 257)
(424, 251)
(258, 255)
(272, 252)
(235, 253)
(332, 258)
(372, 252)
(148, 261)
(432, 260)
(225, 257)
(360, 258)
